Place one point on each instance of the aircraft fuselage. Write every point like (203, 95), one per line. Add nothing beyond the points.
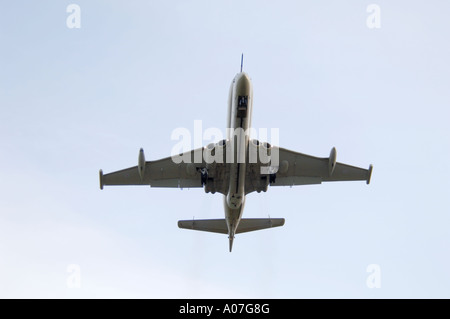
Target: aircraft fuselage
(240, 102)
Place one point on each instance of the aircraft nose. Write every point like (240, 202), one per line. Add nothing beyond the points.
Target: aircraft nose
(243, 81)
(243, 77)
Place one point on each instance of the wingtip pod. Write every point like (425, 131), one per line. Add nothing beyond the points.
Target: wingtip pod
(369, 174)
(141, 164)
(332, 161)
(100, 174)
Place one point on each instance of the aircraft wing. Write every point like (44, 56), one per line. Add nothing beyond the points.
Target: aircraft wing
(301, 169)
(166, 172)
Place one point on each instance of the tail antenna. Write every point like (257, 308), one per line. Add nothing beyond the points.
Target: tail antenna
(242, 61)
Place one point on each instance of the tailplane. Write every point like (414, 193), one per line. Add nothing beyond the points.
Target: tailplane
(220, 225)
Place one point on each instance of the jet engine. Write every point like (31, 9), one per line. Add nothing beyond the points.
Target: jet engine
(215, 153)
(259, 152)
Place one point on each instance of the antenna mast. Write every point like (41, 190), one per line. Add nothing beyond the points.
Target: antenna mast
(242, 60)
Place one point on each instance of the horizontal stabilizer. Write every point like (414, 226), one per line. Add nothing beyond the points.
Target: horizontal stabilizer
(251, 224)
(210, 225)
(220, 225)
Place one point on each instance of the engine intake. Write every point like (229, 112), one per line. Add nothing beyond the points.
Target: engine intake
(259, 152)
(215, 153)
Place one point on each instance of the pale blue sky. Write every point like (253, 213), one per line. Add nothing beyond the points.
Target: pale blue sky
(73, 101)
